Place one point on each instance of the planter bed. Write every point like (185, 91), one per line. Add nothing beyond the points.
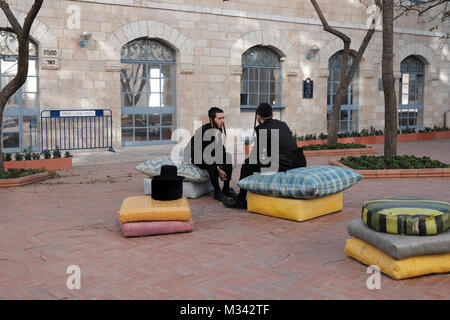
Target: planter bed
(18, 182)
(404, 137)
(48, 164)
(339, 152)
(398, 173)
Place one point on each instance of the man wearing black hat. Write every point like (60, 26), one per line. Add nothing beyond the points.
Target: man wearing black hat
(290, 156)
(219, 166)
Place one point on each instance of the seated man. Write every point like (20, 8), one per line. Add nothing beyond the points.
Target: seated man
(219, 166)
(290, 156)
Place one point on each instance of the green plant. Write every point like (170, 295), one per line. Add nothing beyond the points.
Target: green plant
(36, 155)
(18, 173)
(324, 146)
(27, 153)
(7, 157)
(399, 162)
(18, 156)
(47, 154)
(56, 153)
(67, 155)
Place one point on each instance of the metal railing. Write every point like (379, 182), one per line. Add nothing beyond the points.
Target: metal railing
(76, 129)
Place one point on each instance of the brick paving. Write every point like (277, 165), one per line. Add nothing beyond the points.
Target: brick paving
(231, 254)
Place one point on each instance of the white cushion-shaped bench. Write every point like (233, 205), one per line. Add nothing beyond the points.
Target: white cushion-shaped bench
(191, 190)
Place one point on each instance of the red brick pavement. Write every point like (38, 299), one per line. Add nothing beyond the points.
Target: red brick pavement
(231, 254)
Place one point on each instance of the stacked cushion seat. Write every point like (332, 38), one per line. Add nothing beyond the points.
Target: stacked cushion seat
(407, 215)
(397, 269)
(142, 229)
(294, 209)
(400, 246)
(144, 216)
(404, 236)
(142, 208)
(302, 183)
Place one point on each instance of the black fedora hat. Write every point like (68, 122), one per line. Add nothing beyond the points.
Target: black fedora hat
(168, 185)
(169, 172)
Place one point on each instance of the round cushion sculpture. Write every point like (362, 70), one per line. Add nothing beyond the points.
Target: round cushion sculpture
(407, 215)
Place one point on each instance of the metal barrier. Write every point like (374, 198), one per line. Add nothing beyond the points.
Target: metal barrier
(76, 129)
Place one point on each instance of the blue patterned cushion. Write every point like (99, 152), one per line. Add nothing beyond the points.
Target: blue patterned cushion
(190, 172)
(302, 183)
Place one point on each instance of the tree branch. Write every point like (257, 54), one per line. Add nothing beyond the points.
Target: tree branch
(31, 16)
(11, 18)
(327, 27)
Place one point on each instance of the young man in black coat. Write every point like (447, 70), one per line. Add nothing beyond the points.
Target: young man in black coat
(219, 166)
(289, 155)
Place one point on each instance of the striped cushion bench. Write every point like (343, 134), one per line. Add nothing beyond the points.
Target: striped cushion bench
(407, 215)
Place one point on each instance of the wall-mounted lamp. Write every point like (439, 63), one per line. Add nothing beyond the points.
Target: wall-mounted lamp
(312, 52)
(85, 36)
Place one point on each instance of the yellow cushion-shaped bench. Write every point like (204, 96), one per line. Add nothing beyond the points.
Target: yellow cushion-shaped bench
(294, 209)
(397, 269)
(143, 208)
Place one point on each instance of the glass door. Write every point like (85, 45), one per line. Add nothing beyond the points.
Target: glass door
(21, 114)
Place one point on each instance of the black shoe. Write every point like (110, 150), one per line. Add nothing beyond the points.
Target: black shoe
(219, 196)
(235, 203)
(230, 193)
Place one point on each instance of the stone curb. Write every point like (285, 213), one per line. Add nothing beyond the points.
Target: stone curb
(398, 173)
(18, 182)
(340, 152)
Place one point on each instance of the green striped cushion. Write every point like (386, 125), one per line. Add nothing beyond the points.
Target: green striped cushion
(302, 183)
(407, 215)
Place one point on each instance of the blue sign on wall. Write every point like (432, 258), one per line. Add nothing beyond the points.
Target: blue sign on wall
(308, 88)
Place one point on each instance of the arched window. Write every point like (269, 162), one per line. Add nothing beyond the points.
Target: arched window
(261, 77)
(348, 120)
(21, 114)
(410, 108)
(148, 80)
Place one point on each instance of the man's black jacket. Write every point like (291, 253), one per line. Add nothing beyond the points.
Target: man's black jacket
(198, 136)
(290, 155)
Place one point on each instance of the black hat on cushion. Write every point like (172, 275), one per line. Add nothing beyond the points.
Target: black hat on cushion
(168, 185)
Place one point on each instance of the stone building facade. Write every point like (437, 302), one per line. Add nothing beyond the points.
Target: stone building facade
(202, 46)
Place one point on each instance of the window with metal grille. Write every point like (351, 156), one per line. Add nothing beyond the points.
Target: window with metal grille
(148, 91)
(348, 119)
(411, 93)
(261, 77)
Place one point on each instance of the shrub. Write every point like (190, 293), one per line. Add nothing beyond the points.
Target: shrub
(399, 162)
(27, 153)
(67, 155)
(47, 154)
(324, 146)
(7, 157)
(18, 173)
(56, 153)
(36, 155)
(18, 156)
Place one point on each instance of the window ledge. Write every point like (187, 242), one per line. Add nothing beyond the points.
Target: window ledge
(255, 107)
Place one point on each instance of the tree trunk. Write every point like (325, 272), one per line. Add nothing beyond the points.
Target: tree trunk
(23, 36)
(346, 76)
(390, 98)
(2, 168)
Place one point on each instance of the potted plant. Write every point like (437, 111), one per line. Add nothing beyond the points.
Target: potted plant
(33, 161)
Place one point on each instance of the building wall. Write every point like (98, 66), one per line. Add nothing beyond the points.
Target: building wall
(209, 37)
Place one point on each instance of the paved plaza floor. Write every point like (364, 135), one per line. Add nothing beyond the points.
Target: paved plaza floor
(231, 254)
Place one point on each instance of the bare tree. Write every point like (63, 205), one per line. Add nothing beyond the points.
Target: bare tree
(390, 99)
(345, 76)
(23, 36)
(428, 11)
